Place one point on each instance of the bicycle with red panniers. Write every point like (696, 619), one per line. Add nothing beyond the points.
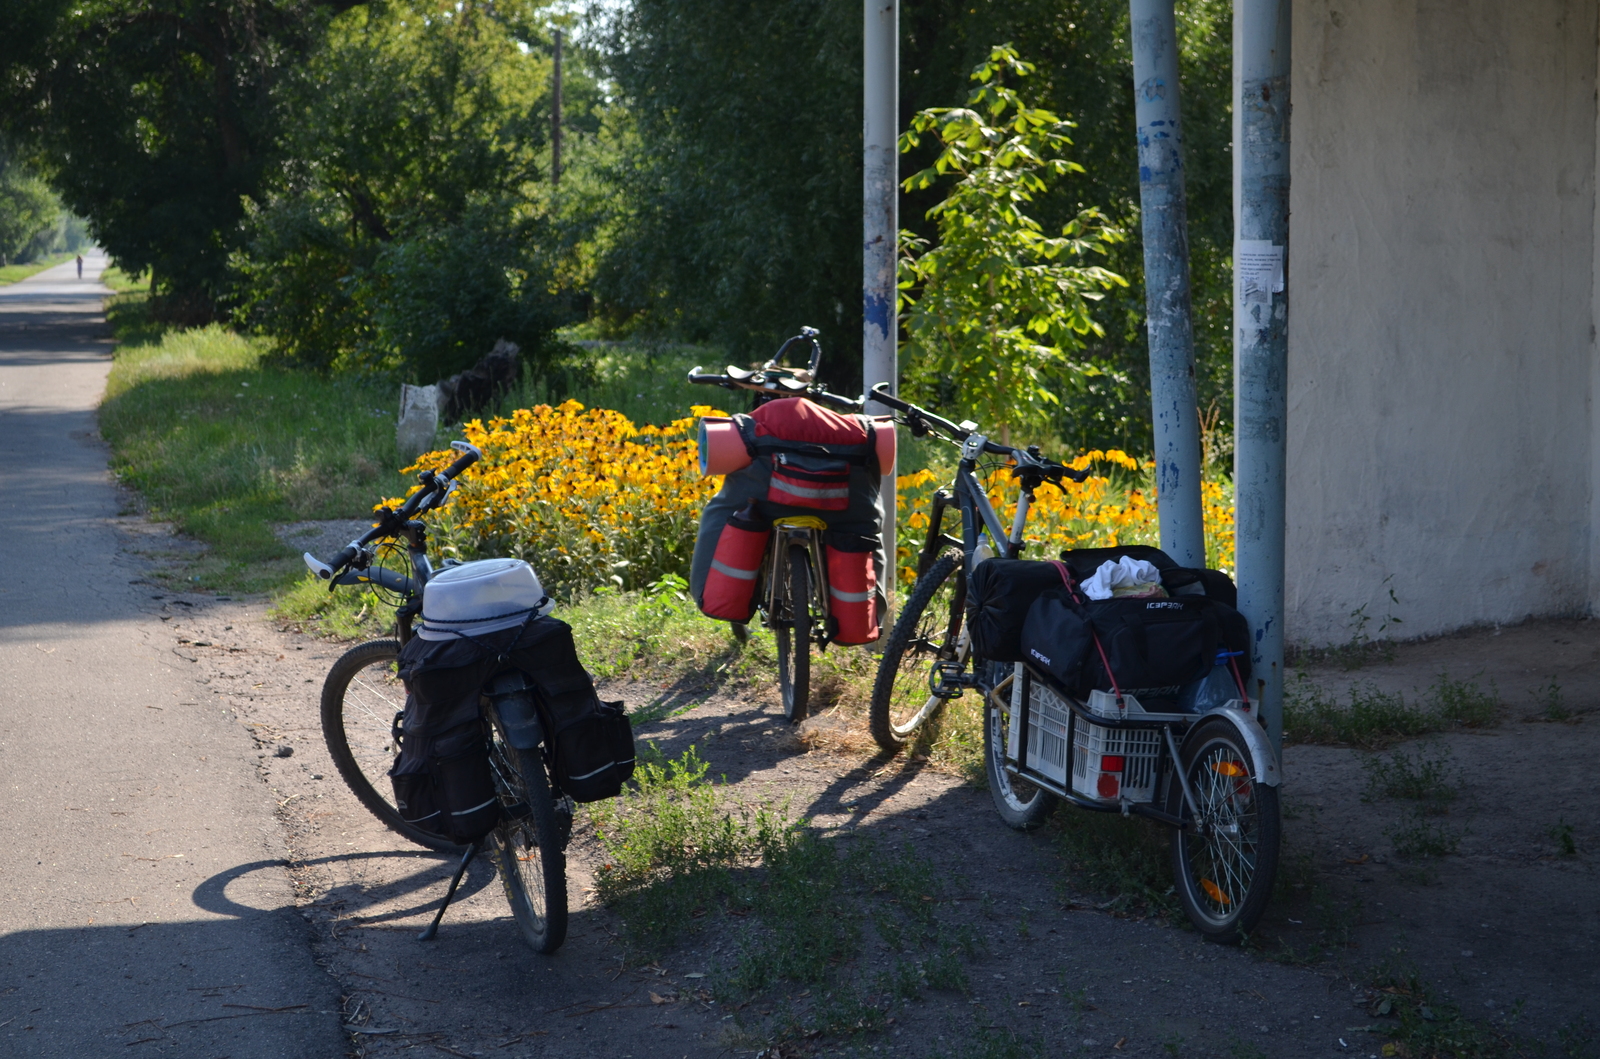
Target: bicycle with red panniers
(795, 534)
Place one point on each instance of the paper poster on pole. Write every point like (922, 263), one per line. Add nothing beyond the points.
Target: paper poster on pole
(1258, 267)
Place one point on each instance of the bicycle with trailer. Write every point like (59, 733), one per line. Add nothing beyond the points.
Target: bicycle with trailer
(1133, 704)
(795, 532)
(479, 730)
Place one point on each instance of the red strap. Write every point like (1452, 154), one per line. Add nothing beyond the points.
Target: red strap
(1066, 578)
(1233, 663)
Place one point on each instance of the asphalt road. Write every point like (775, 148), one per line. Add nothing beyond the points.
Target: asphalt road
(143, 906)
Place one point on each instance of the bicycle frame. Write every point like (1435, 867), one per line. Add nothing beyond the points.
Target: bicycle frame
(801, 530)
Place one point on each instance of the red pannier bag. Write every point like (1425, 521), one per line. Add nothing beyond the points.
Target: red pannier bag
(853, 588)
(731, 582)
(812, 457)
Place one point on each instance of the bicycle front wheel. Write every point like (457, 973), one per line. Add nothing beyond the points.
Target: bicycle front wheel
(528, 845)
(1226, 859)
(927, 633)
(794, 639)
(362, 700)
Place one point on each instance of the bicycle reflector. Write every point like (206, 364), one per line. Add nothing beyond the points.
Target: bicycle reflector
(1110, 784)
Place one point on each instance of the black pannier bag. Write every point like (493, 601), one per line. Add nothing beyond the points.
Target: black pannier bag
(1000, 594)
(591, 742)
(442, 783)
(1083, 562)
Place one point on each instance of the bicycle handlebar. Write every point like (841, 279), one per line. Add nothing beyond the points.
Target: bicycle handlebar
(758, 382)
(436, 486)
(1026, 460)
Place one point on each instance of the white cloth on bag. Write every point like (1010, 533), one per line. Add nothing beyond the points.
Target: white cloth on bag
(1124, 577)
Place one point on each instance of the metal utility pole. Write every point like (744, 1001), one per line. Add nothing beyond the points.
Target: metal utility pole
(880, 331)
(1261, 332)
(555, 119)
(1164, 219)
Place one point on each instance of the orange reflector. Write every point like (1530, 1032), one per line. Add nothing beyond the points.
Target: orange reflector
(1214, 892)
(1108, 785)
(1228, 768)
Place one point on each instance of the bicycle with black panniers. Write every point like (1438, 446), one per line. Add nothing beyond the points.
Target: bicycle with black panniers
(795, 532)
(1129, 700)
(478, 730)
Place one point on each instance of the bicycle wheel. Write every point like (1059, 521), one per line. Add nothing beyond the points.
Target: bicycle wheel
(927, 632)
(1226, 862)
(1021, 805)
(362, 699)
(794, 639)
(527, 846)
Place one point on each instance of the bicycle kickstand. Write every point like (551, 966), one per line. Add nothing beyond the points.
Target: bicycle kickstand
(455, 881)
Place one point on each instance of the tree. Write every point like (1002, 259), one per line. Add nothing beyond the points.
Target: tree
(738, 214)
(408, 226)
(28, 208)
(155, 119)
(998, 307)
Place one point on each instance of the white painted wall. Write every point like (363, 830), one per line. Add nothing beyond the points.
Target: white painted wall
(1442, 281)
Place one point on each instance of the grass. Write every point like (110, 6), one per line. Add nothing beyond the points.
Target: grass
(1429, 777)
(1371, 719)
(790, 907)
(12, 273)
(1127, 859)
(224, 446)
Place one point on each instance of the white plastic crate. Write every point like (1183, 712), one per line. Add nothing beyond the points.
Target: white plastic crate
(1137, 748)
(1047, 732)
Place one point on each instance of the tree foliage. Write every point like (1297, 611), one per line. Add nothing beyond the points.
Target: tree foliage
(155, 120)
(995, 310)
(29, 210)
(409, 223)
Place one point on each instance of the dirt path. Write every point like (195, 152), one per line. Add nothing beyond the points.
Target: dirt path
(1502, 931)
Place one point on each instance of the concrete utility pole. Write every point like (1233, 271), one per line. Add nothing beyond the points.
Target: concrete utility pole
(1261, 332)
(555, 119)
(1164, 219)
(880, 217)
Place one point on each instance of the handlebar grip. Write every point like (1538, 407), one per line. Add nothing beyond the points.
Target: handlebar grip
(327, 570)
(469, 456)
(1076, 476)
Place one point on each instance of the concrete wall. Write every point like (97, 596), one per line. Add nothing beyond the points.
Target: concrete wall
(1441, 346)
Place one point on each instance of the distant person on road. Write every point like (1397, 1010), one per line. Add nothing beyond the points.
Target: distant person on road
(80, 266)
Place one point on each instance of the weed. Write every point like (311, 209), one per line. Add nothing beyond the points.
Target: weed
(1561, 835)
(1463, 702)
(1577, 1039)
(1429, 777)
(1238, 1049)
(1426, 1024)
(1418, 836)
(1373, 718)
(1126, 858)
(996, 1043)
(1552, 704)
(676, 855)
(1172, 1045)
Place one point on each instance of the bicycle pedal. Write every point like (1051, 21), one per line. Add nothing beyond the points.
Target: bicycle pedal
(947, 680)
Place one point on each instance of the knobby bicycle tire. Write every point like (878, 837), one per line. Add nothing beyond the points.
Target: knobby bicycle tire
(794, 641)
(1225, 868)
(361, 697)
(528, 849)
(902, 701)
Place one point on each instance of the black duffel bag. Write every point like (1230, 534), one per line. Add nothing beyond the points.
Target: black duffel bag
(1143, 646)
(1000, 594)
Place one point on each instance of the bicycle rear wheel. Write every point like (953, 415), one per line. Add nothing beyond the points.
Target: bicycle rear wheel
(927, 632)
(528, 846)
(1021, 805)
(794, 638)
(362, 699)
(1226, 861)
